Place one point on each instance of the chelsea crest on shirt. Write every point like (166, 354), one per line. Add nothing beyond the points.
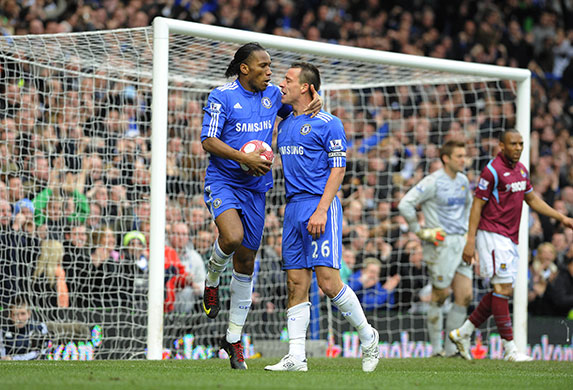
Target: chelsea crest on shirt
(305, 129)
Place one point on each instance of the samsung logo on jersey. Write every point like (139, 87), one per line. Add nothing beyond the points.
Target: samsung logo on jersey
(291, 149)
(254, 127)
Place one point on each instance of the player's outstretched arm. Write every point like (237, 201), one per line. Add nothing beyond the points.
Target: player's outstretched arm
(315, 105)
(253, 160)
(317, 221)
(538, 205)
(468, 254)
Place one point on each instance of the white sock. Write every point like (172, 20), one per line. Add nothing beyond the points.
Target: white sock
(508, 346)
(454, 320)
(298, 318)
(216, 265)
(347, 302)
(241, 289)
(434, 323)
(467, 328)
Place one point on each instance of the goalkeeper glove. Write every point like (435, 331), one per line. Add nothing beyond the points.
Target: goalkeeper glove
(433, 235)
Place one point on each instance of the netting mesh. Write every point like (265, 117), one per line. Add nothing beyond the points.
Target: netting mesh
(76, 152)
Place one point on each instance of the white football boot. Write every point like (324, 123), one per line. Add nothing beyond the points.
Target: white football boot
(371, 354)
(462, 342)
(511, 355)
(289, 363)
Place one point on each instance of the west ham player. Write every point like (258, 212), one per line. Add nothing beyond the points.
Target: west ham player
(494, 225)
(238, 112)
(313, 153)
(445, 199)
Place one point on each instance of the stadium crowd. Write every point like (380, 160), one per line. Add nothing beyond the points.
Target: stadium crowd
(74, 199)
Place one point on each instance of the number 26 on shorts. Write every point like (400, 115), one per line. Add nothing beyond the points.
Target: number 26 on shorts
(324, 249)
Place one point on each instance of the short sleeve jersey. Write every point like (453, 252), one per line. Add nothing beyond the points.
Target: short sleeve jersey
(236, 116)
(309, 148)
(504, 188)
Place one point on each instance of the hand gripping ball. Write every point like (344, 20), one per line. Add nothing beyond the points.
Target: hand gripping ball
(254, 145)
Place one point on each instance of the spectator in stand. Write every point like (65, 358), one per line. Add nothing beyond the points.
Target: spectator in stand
(3, 191)
(198, 218)
(18, 254)
(356, 240)
(175, 168)
(39, 175)
(24, 216)
(8, 286)
(558, 298)
(9, 164)
(413, 278)
(49, 287)
(98, 280)
(95, 220)
(134, 269)
(370, 291)
(567, 195)
(62, 202)
(22, 338)
(49, 216)
(543, 271)
(140, 180)
(347, 264)
(15, 188)
(121, 214)
(173, 214)
(203, 242)
(561, 245)
(176, 277)
(76, 257)
(142, 214)
(194, 265)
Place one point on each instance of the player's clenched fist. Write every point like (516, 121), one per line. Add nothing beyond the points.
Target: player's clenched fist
(432, 235)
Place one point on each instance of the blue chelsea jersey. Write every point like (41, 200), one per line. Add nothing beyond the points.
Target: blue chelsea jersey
(236, 116)
(309, 148)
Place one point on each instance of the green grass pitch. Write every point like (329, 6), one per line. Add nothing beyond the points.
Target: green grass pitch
(339, 373)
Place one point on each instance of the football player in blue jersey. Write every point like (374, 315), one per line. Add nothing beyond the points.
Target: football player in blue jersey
(236, 113)
(313, 153)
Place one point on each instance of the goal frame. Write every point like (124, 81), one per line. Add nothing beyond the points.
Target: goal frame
(162, 27)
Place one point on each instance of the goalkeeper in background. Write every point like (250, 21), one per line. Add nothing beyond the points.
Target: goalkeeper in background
(236, 113)
(445, 200)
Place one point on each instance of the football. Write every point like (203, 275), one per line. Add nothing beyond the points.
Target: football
(251, 146)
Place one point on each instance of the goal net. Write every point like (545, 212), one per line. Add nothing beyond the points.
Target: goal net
(76, 152)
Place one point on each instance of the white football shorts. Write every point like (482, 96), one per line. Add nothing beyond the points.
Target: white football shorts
(444, 260)
(498, 257)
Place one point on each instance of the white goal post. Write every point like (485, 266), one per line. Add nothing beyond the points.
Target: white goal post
(442, 70)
